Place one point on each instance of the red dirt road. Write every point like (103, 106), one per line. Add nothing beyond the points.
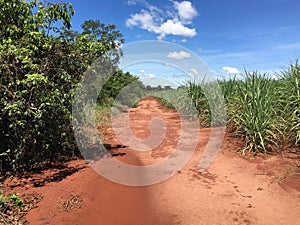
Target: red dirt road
(233, 190)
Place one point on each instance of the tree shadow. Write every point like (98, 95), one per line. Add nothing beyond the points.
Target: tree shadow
(56, 172)
(49, 173)
(56, 177)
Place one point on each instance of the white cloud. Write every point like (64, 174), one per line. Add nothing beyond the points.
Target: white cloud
(142, 71)
(185, 10)
(184, 40)
(175, 28)
(151, 75)
(143, 19)
(231, 70)
(179, 55)
(155, 20)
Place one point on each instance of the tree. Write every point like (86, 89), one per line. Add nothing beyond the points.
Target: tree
(105, 34)
(116, 83)
(41, 63)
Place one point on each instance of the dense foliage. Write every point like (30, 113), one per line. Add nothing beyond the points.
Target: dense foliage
(264, 112)
(131, 88)
(41, 62)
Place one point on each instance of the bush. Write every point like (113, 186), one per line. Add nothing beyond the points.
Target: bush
(38, 76)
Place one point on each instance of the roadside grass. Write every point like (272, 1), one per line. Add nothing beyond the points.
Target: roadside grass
(288, 105)
(251, 113)
(13, 208)
(103, 120)
(264, 112)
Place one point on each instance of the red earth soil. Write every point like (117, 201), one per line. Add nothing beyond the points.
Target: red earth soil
(233, 190)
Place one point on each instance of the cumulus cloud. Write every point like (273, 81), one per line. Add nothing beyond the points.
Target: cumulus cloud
(163, 23)
(151, 75)
(175, 28)
(143, 19)
(179, 55)
(185, 9)
(231, 70)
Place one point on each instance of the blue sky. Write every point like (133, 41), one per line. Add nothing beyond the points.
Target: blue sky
(229, 36)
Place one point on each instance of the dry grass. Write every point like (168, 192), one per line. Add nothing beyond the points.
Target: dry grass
(73, 203)
(14, 215)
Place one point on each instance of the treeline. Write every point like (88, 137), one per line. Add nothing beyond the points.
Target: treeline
(42, 60)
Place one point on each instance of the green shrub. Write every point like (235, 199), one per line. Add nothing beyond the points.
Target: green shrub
(38, 76)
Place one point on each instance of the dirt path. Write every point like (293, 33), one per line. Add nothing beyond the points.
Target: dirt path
(234, 190)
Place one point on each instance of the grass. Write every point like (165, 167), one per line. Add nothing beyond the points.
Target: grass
(73, 203)
(103, 120)
(251, 111)
(264, 112)
(168, 98)
(288, 105)
(13, 208)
